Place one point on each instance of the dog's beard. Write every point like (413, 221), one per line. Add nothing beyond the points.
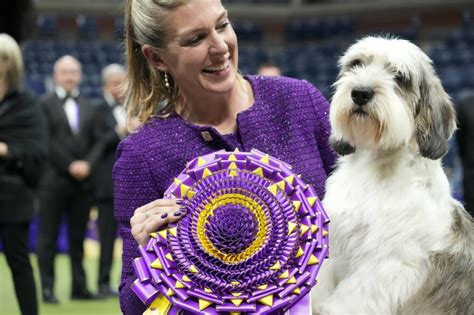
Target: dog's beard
(384, 123)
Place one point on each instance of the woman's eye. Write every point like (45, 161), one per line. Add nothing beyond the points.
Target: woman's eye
(195, 40)
(223, 25)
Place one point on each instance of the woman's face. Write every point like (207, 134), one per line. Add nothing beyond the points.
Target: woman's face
(201, 54)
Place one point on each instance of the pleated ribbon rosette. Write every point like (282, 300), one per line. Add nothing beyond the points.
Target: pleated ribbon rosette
(252, 241)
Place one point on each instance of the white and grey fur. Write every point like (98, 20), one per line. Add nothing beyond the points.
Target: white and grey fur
(399, 243)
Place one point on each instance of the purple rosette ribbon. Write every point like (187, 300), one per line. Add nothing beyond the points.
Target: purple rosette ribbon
(252, 241)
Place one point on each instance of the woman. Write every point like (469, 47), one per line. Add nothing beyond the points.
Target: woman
(184, 85)
(22, 154)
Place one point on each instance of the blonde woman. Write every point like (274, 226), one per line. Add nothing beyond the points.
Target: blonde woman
(22, 155)
(184, 85)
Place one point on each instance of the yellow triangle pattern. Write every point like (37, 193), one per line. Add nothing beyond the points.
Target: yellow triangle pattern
(160, 305)
(258, 171)
(190, 194)
(299, 253)
(179, 285)
(176, 181)
(203, 304)
(232, 158)
(163, 233)
(313, 260)
(314, 228)
(265, 159)
(290, 179)
(236, 294)
(292, 280)
(297, 205)
(193, 269)
(207, 290)
(325, 233)
(169, 257)
(304, 229)
(172, 231)
(170, 292)
(157, 264)
(183, 189)
(281, 184)
(236, 302)
(262, 287)
(186, 278)
(201, 161)
(291, 227)
(312, 200)
(233, 173)
(153, 234)
(276, 266)
(232, 165)
(273, 189)
(268, 300)
(206, 173)
(296, 291)
(284, 275)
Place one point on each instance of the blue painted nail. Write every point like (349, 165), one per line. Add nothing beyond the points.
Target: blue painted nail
(177, 213)
(164, 215)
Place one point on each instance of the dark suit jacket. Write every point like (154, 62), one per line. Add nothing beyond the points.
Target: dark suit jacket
(23, 129)
(65, 146)
(109, 139)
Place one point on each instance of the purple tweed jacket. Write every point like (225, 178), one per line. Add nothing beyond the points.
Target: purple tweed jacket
(288, 120)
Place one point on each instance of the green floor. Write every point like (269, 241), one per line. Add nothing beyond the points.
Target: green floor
(9, 306)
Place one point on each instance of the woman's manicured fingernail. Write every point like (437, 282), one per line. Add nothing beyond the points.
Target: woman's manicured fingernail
(183, 209)
(164, 215)
(177, 213)
(179, 201)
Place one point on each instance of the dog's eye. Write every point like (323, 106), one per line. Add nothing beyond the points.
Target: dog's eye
(401, 79)
(355, 63)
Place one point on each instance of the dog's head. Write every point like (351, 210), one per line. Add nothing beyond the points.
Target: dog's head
(388, 94)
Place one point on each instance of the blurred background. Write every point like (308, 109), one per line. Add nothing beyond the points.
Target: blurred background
(304, 38)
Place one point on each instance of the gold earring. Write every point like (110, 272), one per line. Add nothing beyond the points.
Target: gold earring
(167, 83)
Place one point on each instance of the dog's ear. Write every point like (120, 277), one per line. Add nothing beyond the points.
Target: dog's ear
(435, 118)
(341, 147)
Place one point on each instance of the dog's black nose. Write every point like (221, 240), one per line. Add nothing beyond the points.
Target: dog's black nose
(361, 95)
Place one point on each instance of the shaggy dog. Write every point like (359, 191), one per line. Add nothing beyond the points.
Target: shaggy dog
(400, 244)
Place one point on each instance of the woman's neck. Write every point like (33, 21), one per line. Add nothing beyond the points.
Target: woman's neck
(218, 111)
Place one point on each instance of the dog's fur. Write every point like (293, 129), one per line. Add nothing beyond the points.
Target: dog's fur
(399, 243)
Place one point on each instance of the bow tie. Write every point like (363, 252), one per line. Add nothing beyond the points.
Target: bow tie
(68, 96)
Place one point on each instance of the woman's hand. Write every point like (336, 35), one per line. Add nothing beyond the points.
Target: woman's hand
(150, 217)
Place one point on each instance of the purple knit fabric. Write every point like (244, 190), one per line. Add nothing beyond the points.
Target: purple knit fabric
(288, 120)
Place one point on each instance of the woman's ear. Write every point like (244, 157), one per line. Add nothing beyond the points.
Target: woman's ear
(154, 58)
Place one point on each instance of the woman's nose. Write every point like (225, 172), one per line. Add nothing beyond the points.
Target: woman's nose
(218, 44)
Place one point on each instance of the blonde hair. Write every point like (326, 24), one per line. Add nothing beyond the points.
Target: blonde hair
(145, 23)
(10, 53)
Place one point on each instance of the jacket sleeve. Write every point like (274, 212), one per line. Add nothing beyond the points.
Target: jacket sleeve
(134, 187)
(27, 152)
(59, 158)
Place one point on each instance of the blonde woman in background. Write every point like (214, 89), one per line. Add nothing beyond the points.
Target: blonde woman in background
(22, 154)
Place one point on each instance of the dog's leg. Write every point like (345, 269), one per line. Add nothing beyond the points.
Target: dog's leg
(375, 288)
(325, 286)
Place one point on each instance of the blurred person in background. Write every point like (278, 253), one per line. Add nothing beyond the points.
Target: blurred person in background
(269, 69)
(465, 142)
(66, 188)
(111, 127)
(23, 145)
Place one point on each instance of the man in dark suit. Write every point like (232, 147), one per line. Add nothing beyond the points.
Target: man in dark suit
(111, 118)
(66, 188)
